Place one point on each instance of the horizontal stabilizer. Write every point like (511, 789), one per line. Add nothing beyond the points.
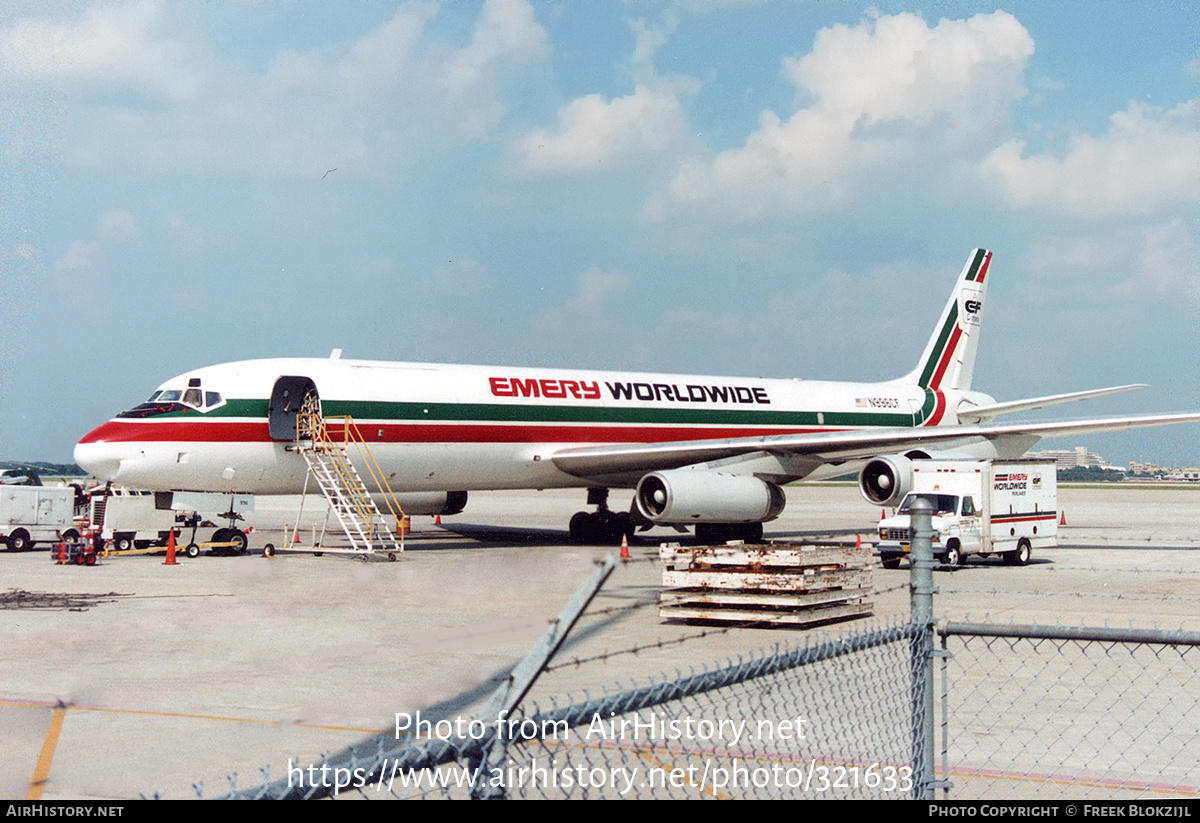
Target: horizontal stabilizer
(974, 414)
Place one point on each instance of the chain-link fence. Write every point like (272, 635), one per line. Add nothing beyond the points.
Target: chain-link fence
(915, 709)
(831, 718)
(1038, 712)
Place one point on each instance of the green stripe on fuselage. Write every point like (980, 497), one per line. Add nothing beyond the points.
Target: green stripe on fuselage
(514, 413)
(385, 412)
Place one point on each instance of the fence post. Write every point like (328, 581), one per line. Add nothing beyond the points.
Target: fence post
(921, 606)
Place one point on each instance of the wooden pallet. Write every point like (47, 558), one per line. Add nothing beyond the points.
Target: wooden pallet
(785, 584)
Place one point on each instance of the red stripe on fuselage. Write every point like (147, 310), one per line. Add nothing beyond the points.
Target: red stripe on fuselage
(939, 409)
(189, 431)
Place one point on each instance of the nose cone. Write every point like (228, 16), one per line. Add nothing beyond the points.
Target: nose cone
(100, 460)
(101, 451)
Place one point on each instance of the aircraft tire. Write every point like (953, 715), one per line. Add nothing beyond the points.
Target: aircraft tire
(580, 528)
(238, 538)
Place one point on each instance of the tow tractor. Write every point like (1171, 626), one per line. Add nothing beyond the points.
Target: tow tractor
(230, 540)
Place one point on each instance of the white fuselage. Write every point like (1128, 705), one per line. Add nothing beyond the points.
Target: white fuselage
(442, 427)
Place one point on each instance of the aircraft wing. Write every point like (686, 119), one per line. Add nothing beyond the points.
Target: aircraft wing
(826, 447)
(977, 413)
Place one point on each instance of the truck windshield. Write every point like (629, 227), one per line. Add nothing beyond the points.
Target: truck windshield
(942, 503)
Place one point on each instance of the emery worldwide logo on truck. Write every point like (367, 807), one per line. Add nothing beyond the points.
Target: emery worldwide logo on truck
(1015, 483)
(590, 390)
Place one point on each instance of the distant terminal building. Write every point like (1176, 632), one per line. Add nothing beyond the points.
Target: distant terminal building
(1190, 474)
(1076, 458)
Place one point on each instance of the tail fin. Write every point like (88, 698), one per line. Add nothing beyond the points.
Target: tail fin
(949, 358)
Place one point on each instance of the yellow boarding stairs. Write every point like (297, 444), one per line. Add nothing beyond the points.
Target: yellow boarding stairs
(325, 444)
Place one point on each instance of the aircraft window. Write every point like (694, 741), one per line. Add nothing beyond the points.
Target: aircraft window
(212, 399)
(170, 396)
(193, 398)
(154, 396)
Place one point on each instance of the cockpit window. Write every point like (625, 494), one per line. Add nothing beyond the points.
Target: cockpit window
(167, 401)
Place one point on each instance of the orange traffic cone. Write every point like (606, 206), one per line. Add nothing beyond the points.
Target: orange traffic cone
(437, 520)
(170, 561)
(1062, 519)
(858, 541)
(624, 547)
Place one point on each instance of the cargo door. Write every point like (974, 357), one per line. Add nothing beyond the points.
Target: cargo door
(287, 398)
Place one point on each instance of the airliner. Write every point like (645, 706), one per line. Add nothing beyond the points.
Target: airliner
(708, 452)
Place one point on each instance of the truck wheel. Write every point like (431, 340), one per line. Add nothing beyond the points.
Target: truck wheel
(890, 561)
(19, 541)
(953, 556)
(122, 542)
(1021, 556)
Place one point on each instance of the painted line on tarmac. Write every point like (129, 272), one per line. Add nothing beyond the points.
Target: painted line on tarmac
(41, 770)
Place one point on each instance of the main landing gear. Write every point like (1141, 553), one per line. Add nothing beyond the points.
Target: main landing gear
(602, 525)
(607, 527)
(708, 534)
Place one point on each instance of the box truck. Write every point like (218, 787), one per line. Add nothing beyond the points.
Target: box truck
(986, 507)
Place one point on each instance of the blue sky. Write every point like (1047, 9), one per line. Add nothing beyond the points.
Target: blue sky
(743, 188)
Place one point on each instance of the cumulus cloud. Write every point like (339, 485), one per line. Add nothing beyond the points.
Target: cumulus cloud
(585, 319)
(372, 107)
(870, 94)
(505, 34)
(595, 133)
(1167, 266)
(1149, 262)
(113, 45)
(1148, 159)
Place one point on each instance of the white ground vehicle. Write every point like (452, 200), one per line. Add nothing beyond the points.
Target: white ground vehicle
(981, 507)
(130, 519)
(36, 514)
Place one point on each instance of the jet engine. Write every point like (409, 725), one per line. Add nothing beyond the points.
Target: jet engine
(429, 502)
(698, 496)
(885, 480)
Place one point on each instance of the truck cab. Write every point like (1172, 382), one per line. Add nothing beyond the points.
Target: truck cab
(957, 528)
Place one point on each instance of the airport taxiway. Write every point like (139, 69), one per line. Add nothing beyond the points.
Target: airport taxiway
(182, 676)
